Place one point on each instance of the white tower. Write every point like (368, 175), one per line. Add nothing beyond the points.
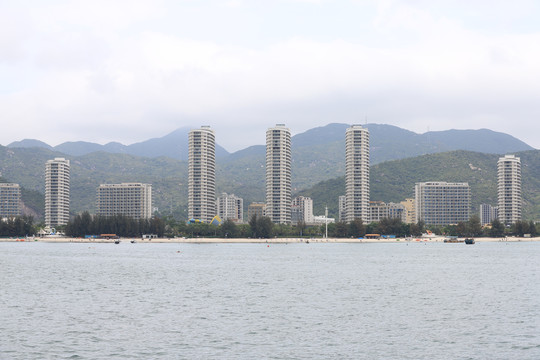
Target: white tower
(357, 173)
(202, 174)
(57, 192)
(278, 174)
(509, 189)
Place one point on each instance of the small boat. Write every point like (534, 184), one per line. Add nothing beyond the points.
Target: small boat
(469, 241)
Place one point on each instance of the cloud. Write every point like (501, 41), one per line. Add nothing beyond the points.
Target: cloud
(129, 71)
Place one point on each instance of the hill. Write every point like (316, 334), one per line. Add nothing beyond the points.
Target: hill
(173, 145)
(393, 181)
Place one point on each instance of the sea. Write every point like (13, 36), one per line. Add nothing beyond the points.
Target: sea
(413, 300)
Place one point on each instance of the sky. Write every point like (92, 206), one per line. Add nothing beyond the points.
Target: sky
(127, 71)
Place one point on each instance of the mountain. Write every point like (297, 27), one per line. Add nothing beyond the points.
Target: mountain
(173, 145)
(319, 153)
(393, 181)
(29, 143)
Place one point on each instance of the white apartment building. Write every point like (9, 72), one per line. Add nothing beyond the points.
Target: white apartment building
(357, 173)
(278, 174)
(57, 180)
(302, 210)
(202, 175)
(442, 203)
(488, 213)
(230, 207)
(129, 199)
(509, 189)
(10, 200)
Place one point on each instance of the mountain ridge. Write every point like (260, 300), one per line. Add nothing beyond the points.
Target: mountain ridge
(390, 138)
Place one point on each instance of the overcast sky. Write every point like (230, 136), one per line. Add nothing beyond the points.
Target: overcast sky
(131, 70)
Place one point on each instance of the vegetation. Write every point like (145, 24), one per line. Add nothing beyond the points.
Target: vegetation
(17, 226)
(85, 224)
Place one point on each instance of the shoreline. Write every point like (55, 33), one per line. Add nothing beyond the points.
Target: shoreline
(258, 241)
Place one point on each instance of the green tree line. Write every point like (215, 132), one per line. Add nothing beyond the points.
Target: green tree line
(121, 225)
(262, 227)
(17, 226)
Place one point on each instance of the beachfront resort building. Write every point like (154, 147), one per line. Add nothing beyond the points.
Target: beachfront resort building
(278, 174)
(442, 203)
(10, 200)
(509, 189)
(302, 210)
(128, 199)
(57, 180)
(488, 213)
(202, 175)
(357, 173)
(230, 207)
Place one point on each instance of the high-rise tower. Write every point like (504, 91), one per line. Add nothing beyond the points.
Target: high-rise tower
(509, 189)
(202, 174)
(278, 174)
(357, 173)
(57, 192)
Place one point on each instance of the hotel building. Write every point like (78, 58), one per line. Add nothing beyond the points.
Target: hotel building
(10, 200)
(202, 175)
(509, 189)
(57, 177)
(129, 199)
(230, 207)
(442, 203)
(357, 173)
(278, 174)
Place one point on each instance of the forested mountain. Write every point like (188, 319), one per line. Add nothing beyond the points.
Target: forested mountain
(393, 181)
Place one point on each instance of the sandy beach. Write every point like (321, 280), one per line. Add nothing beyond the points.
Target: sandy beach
(58, 239)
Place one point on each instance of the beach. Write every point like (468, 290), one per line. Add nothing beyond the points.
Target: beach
(276, 240)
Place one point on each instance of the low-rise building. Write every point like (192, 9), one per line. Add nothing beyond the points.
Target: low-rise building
(379, 210)
(257, 209)
(302, 210)
(408, 204)
(230, 207)
(488, 213)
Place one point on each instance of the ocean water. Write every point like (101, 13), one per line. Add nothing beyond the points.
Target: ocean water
(277, 301)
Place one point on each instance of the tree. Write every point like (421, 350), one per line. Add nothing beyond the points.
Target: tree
(228, 229)
(340, 229)
(474, 226)
(461, 229)
(532, 229)
(497, 228)
(357, 228)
